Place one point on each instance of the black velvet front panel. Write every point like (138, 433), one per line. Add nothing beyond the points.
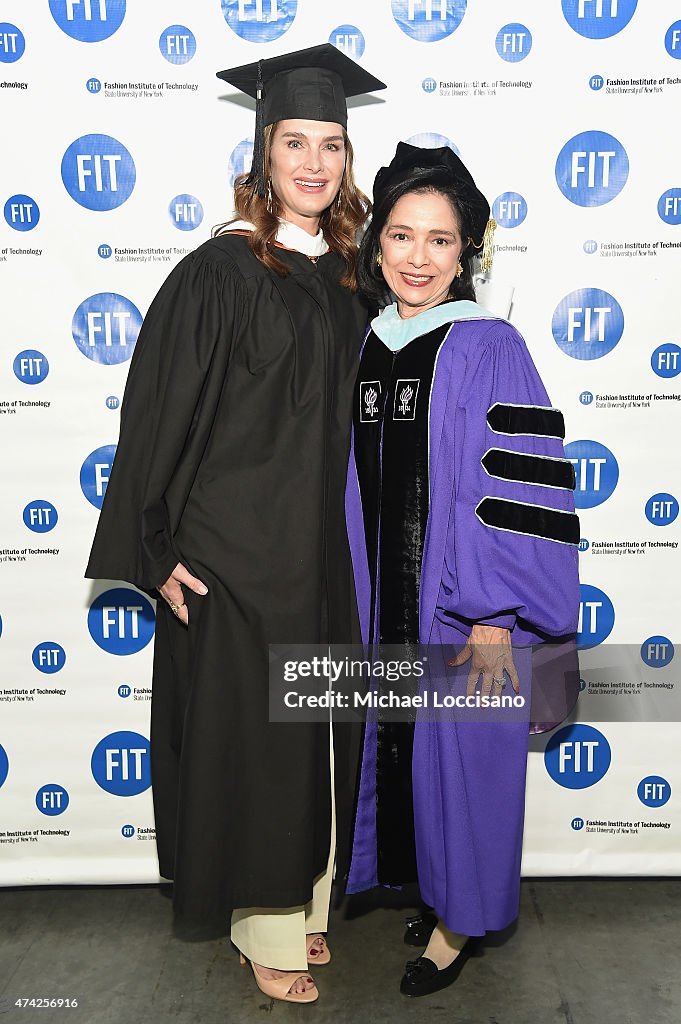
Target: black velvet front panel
(391, 450)
(374, 374)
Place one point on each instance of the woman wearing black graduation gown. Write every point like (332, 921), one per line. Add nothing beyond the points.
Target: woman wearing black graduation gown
(226, 494)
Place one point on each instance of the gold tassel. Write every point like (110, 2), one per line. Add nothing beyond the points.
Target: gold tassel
(488, 246)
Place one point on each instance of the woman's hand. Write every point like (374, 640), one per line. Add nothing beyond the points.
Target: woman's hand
(489, 648)
(171, 591)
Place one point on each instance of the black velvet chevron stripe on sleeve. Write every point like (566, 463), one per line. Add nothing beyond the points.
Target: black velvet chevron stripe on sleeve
(530, 520)
(529, 469)
(533, 420)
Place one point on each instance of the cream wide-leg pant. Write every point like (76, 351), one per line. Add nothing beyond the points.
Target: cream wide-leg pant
(274, 937)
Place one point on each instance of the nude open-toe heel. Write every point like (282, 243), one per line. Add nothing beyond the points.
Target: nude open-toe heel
(324, 954)
(278, 988)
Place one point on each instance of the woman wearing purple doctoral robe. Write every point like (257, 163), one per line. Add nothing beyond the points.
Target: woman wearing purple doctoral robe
(462, 528)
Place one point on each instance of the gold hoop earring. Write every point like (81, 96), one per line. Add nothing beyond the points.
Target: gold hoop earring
(459, 269)
(379, 260)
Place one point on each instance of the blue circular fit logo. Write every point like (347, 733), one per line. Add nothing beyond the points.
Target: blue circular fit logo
(12, 43)
(666, 360)
(662, 509)
(592, 168)
(590, 246)
(429, 85)
(128, 831)
(669, 206)
(657, 651)
(30, 366)
(40, 516)
(121, 621)
(112, 402)
(349, 40)
(240, 161)
(513, 42)
(672, 40)
(49, 657)
(93, 85)
(88, 21)
(94, 473)
(596, 472)
(105, 327)
(583, 545)
(432, 140)
(653, 791)
(598, 19)
(509, 209)
(587, 323)
(177, 44)
(186, 212)
(259, 21)
(52, 799)
(21, 212)
(577, 824)
(428, 21)
(120, 764)
(4, 766)
(596, 82)
(577, 756)
(586, 397)
(98, 172)
(596, 617)
(124, 690)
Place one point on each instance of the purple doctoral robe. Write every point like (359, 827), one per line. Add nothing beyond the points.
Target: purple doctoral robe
(500, 547)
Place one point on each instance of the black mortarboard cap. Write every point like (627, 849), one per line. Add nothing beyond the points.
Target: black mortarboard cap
(312, 84)
(409, 159)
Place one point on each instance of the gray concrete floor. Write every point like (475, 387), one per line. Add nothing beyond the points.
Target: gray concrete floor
(584, 951)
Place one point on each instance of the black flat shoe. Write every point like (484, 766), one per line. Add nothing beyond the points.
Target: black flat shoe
(421, 977)
(419, 929)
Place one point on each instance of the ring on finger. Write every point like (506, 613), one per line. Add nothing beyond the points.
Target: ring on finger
(175, 608)
(500, 682)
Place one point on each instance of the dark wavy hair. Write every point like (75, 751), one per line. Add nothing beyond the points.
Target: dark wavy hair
(340, 222)
(421, 181)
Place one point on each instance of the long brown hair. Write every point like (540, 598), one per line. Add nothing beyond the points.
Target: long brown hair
(340, 222)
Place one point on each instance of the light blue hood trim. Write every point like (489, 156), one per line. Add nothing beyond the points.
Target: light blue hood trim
(395, 332)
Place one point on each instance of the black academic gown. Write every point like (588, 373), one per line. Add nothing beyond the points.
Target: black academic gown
(232, 460)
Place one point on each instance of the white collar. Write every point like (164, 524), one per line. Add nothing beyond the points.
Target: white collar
(291, 236)
(296, 238)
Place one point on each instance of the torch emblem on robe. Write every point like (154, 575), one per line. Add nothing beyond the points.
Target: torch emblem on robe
(406, 394)
(370, 391)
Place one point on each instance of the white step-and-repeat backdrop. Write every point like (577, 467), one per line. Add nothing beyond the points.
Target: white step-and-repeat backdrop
(120, 147)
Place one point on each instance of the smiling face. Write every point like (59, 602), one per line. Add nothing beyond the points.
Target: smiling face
(421, 244)
(307, 160)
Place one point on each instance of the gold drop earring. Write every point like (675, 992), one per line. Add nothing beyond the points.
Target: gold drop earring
(379, 260)
(459, 269)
